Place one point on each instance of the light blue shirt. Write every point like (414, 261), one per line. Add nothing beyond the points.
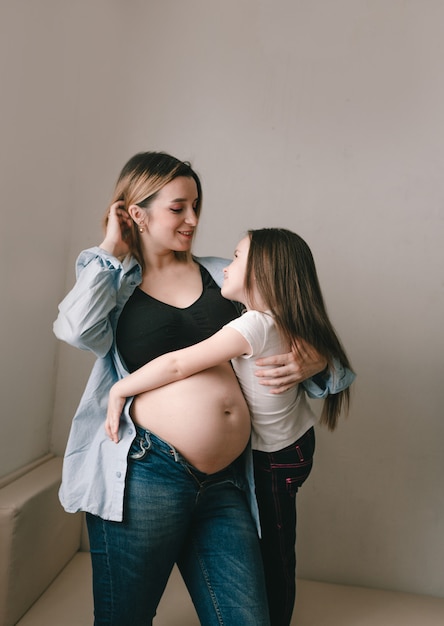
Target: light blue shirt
(94, 467)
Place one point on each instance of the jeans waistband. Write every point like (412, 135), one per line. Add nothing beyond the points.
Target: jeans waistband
(236, 467)
(160, 444)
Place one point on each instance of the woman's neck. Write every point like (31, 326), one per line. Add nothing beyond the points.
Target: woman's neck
(160, 261)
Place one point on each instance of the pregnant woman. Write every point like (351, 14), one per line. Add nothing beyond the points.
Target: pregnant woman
(178, 486)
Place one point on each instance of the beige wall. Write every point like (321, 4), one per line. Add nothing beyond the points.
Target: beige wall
(325, 117)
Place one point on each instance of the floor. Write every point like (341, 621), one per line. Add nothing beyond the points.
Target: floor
(68, 603)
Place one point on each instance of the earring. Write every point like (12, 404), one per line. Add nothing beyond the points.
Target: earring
(141, 229)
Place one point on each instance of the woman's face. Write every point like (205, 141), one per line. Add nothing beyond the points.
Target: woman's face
(234, 275)
(171, 217)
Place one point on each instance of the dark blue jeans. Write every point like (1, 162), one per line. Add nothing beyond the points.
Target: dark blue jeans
(174, 513)
(278, 476)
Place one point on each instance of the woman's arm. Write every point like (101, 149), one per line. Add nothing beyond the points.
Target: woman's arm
(283, 371)
(84, 314)
(333, 381)
(219, 348)
(83, 319)
(306, 367)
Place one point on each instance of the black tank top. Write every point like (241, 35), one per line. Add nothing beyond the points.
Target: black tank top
(148, 328)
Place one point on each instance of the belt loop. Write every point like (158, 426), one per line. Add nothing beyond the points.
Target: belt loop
(148, 440)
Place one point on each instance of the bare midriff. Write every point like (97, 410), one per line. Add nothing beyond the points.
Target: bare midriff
(204, 417)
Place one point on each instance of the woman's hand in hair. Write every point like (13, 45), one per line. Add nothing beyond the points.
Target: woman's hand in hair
(283, 371)
(118, 224)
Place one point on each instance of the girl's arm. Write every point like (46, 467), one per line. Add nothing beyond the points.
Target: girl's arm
(219, 348)
(279, 372)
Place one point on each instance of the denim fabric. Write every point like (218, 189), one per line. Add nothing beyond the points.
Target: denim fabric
(174, 513)
(94, 467)
(278, 476)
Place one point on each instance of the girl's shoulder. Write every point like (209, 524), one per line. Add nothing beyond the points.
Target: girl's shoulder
(259, 330)
(258, 319)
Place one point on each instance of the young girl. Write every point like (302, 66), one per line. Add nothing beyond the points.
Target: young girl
(274, 276)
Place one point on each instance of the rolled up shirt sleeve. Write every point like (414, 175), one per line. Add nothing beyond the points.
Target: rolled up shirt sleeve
(84, 314)
(337, 379)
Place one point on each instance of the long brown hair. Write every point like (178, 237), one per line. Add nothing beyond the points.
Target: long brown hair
(139, 182)
(281, 267)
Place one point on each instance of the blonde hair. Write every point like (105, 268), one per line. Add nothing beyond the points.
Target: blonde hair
(140, 180)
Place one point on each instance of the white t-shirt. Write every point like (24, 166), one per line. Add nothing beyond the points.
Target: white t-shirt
(278, 420)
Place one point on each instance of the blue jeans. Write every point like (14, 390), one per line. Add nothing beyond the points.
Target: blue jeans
(174, 513)
(278, 476)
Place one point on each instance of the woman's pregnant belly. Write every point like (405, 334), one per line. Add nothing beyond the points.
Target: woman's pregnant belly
(205, 417)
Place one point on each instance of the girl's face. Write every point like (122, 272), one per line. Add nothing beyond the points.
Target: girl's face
(171, 218)
(234, 275)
